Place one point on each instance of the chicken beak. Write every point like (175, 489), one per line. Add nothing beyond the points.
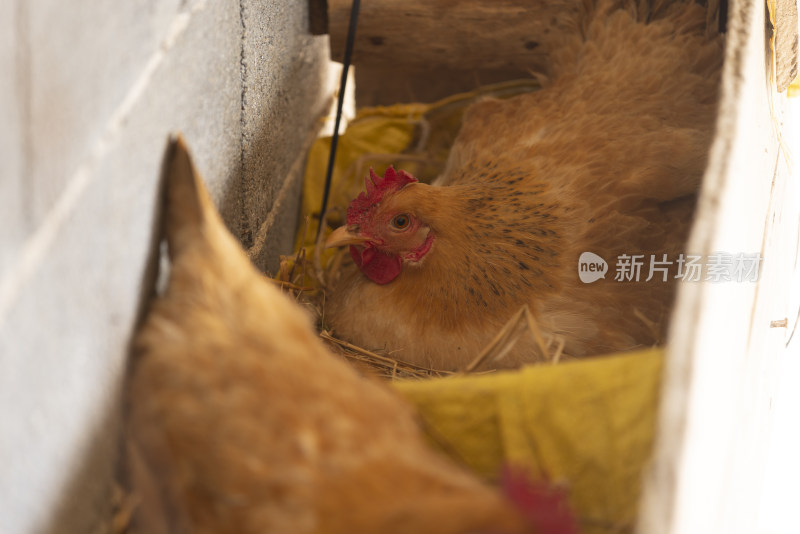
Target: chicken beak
(343, 236)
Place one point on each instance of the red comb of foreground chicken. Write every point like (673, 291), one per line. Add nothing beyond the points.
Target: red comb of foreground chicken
(545, 506)
(240, 421)
(605, 159)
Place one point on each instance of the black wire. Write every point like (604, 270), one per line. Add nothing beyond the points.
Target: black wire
(348, 54)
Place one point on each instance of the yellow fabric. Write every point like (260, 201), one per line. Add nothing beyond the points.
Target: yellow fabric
(588, 424)
(793, 91)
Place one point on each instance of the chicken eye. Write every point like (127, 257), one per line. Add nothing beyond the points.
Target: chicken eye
(401, 221)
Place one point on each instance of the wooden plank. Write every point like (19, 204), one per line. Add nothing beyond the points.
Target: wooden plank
(458, 35)
(317, 17)
(727, 339)
(785, 28)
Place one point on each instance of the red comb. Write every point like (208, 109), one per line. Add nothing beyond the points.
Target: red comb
(377, 188)
(545, 505)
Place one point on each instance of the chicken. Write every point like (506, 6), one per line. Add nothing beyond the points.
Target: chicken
(606, 158)
(240, 420)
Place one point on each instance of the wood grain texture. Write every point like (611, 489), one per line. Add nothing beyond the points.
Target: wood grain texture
(453, 34)
(786, 57)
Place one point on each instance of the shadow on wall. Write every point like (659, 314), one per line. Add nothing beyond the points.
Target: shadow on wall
(287, 91)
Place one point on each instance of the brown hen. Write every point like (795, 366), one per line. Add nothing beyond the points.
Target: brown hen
(605, 159)
(240, 421)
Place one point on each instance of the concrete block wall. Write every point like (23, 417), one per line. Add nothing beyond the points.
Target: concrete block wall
(89, 93)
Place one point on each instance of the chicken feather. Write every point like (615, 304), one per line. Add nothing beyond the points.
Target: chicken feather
(239, 419)
(606, 159)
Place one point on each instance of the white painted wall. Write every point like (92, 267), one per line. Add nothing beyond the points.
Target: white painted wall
(89, 92)
(725, 362)
(777, 511)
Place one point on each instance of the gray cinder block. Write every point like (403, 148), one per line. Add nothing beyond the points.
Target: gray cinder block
(283, 95)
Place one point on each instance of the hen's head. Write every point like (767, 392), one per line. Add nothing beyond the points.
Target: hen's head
(382, 228)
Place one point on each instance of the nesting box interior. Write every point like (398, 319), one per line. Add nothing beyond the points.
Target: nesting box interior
(683, 436)
(718, 330)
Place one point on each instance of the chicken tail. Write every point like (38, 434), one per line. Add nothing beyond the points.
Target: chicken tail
(186, 204)
(192, 226)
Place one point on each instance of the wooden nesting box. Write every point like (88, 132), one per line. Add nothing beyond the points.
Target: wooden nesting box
(421, 51)
(727, 340)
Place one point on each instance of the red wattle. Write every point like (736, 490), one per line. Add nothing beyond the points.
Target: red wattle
(379, 267)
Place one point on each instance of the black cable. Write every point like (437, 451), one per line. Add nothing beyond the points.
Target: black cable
(348, 54)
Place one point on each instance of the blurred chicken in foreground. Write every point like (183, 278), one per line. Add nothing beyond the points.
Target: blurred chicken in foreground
(606, 158)
(240, 421)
